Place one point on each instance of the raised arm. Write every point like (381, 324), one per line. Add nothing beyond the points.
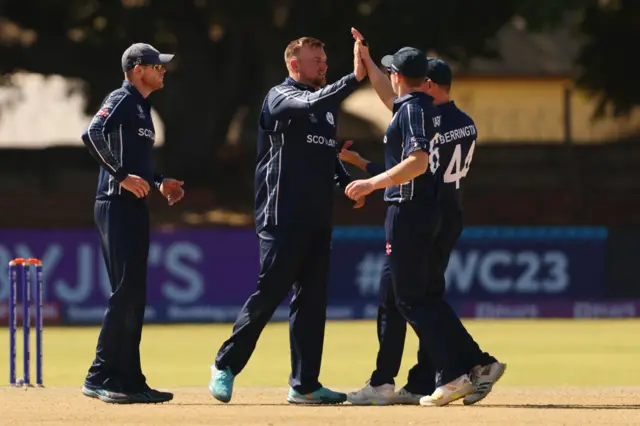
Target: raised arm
(289, 101)
(380, 82)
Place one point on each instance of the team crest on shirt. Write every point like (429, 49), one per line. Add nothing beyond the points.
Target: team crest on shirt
(141, 114)
(330, 119)
(436, 121)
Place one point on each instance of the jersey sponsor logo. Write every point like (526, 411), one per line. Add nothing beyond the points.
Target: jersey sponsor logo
(321, 140)
(147, 133)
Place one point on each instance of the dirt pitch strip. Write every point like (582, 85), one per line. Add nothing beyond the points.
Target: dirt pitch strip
(507, 405)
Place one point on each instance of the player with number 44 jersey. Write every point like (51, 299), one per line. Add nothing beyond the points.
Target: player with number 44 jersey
(450, 157)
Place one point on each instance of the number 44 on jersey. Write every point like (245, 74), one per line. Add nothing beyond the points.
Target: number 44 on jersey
(457, 168)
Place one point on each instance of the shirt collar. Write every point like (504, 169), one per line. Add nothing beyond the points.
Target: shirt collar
(399, 101)
(447, 105)
(291, 82)
(134, 92)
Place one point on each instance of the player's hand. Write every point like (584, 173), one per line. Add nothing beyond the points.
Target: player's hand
(136, 185)
(359, 189)
(363, 48)
(359, 69)
(172, 190)
(349, 156)
(359, 203)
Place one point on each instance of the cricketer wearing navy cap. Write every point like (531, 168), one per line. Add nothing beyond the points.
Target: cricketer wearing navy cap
(120, 137)
(143, 54)
(407, 61)
(439, 72)
(452, 153)
(412, 223)
(421, 381)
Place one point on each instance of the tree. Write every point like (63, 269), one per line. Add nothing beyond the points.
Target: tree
(230, 52)
(606, 61)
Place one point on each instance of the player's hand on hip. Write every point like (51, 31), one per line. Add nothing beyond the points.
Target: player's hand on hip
(136, 185)
(347, 155)
(358, 189)
(172, 190)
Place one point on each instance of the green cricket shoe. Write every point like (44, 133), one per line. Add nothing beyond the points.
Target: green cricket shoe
(321, 396)
(221, 384)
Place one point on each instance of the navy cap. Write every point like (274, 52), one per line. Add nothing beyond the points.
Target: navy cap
(408, 61)
(439, 72)
(143, 54)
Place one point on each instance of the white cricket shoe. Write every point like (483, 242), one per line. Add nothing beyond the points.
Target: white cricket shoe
(404, 397)
(452, 391)
(484, 378)
(370, 395)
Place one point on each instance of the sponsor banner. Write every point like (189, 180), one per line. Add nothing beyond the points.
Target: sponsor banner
(553, 309)
(466, 309)
(190, 273)
(486, 264)
(206, 275)
(50, 313)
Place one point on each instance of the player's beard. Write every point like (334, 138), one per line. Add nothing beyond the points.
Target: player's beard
(319, 81)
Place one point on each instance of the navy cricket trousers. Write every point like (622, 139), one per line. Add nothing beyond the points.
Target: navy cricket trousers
(405, 297)
(123, 226)
(422, 377)
(289, 258)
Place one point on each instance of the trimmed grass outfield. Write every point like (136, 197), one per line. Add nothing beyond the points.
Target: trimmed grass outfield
(588, 365)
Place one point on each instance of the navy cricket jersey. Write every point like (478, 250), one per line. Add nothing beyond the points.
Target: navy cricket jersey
(297, 165)
(410, 130)
(452, 151)
(121, 137)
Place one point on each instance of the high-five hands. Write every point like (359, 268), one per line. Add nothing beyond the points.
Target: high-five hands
(359, 69)
(361, 45)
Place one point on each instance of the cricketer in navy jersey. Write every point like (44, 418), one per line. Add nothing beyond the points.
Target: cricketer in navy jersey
(426, 379)
(297, 170)
(121, 138)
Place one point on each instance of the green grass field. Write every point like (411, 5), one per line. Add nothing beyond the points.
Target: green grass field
(538, 352)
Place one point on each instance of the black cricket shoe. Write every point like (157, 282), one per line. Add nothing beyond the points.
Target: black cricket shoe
(151, 396)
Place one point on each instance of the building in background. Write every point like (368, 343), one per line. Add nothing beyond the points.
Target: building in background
(524, 97)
